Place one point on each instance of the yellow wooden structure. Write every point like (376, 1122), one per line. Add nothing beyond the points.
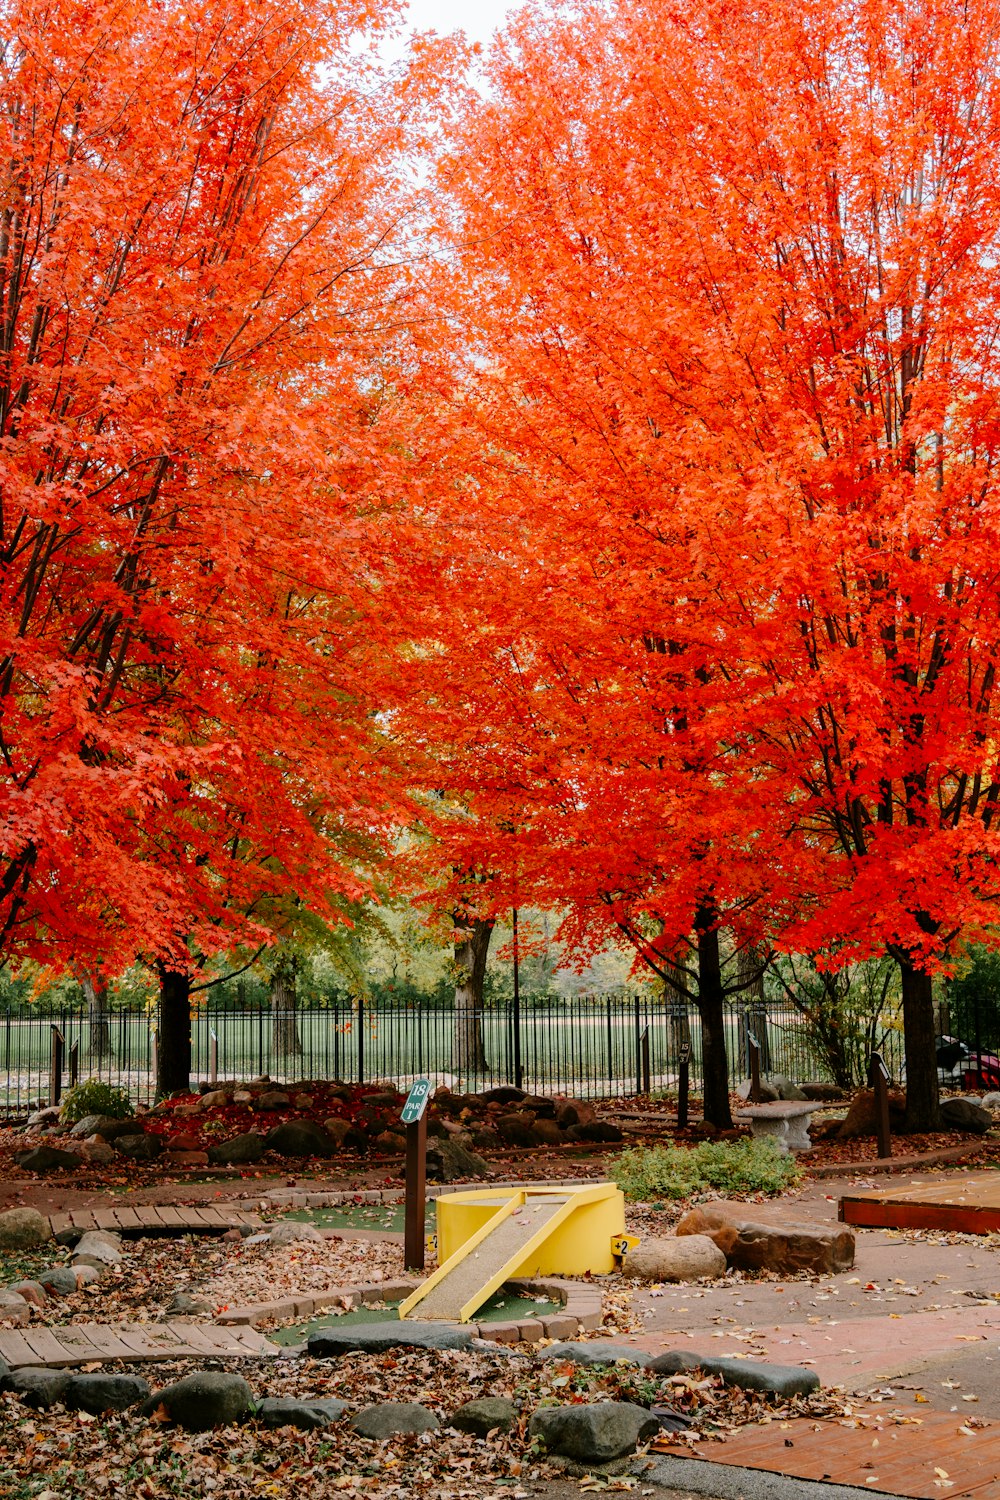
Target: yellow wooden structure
(491, 1235)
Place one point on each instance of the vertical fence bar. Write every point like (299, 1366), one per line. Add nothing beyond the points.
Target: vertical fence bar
(74, 1064)
(56, 1046)
(637, 1028)
(361, 1038)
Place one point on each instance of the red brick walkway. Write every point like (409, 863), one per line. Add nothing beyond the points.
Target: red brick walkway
(924, 1457)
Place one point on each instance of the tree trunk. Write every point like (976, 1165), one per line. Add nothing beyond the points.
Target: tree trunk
(715, 1067)
(173, 1042)
(920, 1049)
(99, 1022)
(285, 1039)
(468, 1054)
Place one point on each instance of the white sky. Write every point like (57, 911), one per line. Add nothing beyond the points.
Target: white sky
(479, 19)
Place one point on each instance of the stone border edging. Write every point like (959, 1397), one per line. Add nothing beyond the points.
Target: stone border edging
(581, 1309)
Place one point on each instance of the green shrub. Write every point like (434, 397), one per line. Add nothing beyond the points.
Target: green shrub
(646, 1172)
(94, 1097)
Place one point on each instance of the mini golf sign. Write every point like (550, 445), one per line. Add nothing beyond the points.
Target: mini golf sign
(416, 1101)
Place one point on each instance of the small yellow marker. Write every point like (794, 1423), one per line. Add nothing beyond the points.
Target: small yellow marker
(622, 1244)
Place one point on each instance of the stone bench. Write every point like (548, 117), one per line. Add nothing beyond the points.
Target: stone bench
(786, 1122)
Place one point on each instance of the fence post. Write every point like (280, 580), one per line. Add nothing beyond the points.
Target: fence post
(56, 1046)
(74, 1064)
(213, 1056)
(611, 1044)
(153, 1056)
(683, 1084)
(361, 1038)
(637, 1026)
(753, 1058)
(878, 1078)
(518, 1067)
(646, 1077)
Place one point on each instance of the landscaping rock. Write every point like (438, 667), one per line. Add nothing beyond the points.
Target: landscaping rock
(376, 1338)
(208, 1398)
(391, 1417)
(676, 1258)
(784, 1248)
(505, 1094)
(595, 1130)
(861, 1116)
(573, 1112)
(99, 1392)
(212, 1099)
(186, 1304)
(299, 1138)
(337, 1129)
(100, 1246)
(46, 1159)
(390, 1142)
(13, 1309)
(289, 1231)
(488, 1414)
(48, 1114)
(287, 1411)
(593, 1434)
(303, 1101)
(182, 1142)
(965, 1114)
(547, 1133)
(991, 1101)
(86, 1273)
(273, 1099)
(59, 1281)
(38, 1388)
(448, 1161)
(747, 1375)
(139, 1147)
(106, 1126)
(517, 1129)
(4, 1375)
(824, 1093)
(237, 1151)
(97, 1153)
(542, 1107)
(179, 1159)
(23, 1229)
(31, 1292)
(599, 1352)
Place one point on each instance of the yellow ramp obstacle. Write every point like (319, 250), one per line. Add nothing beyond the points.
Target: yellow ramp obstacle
(485, 1238)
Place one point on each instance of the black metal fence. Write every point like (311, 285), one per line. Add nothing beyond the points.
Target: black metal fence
(596, 1046)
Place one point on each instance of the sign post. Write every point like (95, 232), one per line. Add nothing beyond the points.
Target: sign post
(753, 1058)
(878, 1077)
(414, 1117)
(683, 1083)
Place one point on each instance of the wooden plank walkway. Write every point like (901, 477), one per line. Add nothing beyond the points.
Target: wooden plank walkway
(86, 1343)
(141, 1222)
(969, 1204)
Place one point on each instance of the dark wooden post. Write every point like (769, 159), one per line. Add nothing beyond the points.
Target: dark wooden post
(74, 1064)
(646, 1076)
(753, 1058)
(213, 1057)
(57, 1045)
(878, 1077)
(683, 1084)
(414, 1117)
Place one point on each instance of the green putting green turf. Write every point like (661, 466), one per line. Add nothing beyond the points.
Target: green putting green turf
(502, 1307)
(387, 1216)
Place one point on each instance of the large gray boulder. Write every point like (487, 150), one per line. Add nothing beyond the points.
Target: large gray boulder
(23, 1229)
(98, 1392)
(388, 1418)
(487, 1414)
(97, 1247)
(291, 1232)
(593, 1434)
(139, 1147)
(299, 1138)
(965, 1114)
(305, 1413)
(376, 1338)
(596, 1352)
(46, 1159)
(448, 1161)
(675, 1258)
(105, 1126)
(37, 1387)
(13, 1309)
(59, 1281)
(238, 1151)
(208, 1398)
(748, 1375)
